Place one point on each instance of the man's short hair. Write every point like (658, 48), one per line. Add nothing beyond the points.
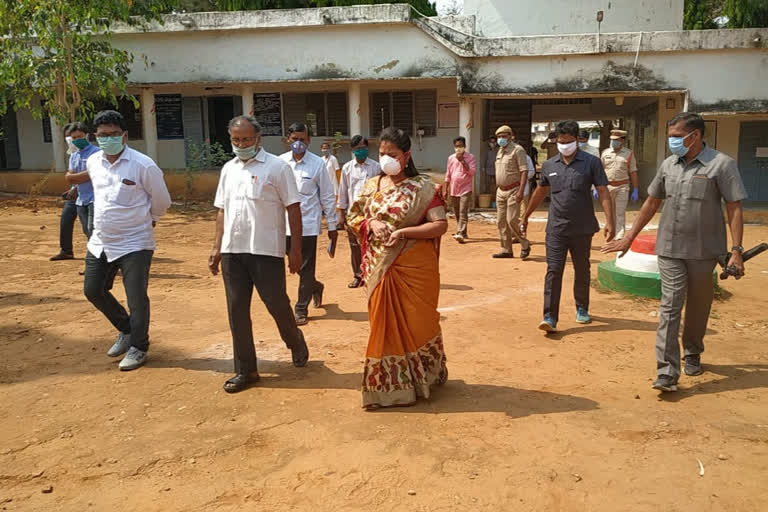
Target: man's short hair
(110, 117)
(692, 121)
(460, 139)
(245, 119)
(568, 127)
(357, 139)
(300, 128)
(79, 126)
(583, 134)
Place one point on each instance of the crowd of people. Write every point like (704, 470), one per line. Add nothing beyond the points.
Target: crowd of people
(270, 206)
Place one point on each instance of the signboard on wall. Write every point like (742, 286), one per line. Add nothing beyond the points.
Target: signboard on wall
(448, 115)
(169, 115)
(268, 111)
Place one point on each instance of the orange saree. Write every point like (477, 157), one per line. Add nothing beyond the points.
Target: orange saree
(405, 355)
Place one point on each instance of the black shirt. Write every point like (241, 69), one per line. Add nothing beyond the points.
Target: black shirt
(571, 211)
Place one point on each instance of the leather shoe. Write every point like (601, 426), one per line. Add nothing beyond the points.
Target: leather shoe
(356, 283)
(504, 255)
(241, 381)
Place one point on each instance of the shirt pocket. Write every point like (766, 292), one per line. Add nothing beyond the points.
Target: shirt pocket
(697, 187)
(126, 195)
(254, 189)
(307, 185)
(579, 181)
(556, 182)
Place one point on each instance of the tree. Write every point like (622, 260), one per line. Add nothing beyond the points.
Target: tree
(699, 14)
(454, 8)
(58, 59)
(707, 14)
(746, 13)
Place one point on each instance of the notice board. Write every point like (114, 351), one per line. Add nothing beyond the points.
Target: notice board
(169, 116)
(268, 111)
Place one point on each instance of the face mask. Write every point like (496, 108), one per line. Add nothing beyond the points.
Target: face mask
(390, 166)
(460, 151)
(298, 147)
(70, 147)
(582, 145)
(326, 152)
(80, 143)
(567, 149)
(677, 145)
(111, 145)
(616, 144)
(502, 142)
(360, 153)
(244, 153)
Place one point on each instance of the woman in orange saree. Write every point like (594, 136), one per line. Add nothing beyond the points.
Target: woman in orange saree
(399, 219)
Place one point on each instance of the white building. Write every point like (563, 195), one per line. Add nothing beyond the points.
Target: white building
(357, 69)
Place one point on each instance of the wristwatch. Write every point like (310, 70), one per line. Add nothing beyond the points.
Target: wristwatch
(737, 248)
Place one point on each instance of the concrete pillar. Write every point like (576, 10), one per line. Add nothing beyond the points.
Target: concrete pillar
(247, 94)
(59, 146)
(354, 99)
(149, 122)
(466, 124)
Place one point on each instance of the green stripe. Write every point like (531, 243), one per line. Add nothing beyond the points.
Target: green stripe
(643, 284)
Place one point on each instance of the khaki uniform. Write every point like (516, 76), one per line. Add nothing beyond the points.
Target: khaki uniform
(618, 166)
(511, 169)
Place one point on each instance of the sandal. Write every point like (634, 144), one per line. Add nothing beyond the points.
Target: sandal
(240, 382)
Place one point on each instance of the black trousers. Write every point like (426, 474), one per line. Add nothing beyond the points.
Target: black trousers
(307, 282)
(241, 272)
(356, 255)
(99, 279)
(558, 247)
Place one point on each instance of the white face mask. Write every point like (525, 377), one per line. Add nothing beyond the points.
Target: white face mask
(71, 148)
(568, 149)
(389, 165)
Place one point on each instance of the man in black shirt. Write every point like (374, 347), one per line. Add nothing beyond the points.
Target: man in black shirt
(571, 224)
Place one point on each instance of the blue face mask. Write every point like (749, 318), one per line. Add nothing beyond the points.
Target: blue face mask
(502, 142)
(677, 145)
(111, 145)
(298, 147)
(244, 153)
(360, 153)
(616, 144)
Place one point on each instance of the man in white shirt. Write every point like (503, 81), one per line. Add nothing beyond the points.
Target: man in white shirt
(354, 175)
(584, 144)
(332, 165)
(129, 197)
(317, 197)
(255, 191)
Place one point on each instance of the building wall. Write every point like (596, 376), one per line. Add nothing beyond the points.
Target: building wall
(499, 18)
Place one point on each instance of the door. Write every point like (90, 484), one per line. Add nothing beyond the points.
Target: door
(9, 142)
(753, 159)
(221, 110)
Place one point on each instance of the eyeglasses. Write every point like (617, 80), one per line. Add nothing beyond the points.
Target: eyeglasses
(247, 141)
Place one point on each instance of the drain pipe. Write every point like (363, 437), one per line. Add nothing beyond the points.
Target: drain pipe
(637, 54)
(599, 22)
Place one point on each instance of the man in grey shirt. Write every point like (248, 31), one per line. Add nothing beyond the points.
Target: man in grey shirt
(691, 236)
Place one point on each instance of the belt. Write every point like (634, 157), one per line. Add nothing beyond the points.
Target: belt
(618, 183)
(509, 187)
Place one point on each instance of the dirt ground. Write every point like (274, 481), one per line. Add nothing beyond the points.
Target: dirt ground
(525, 423)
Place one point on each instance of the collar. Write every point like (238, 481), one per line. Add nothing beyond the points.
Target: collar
(705, 156)
(89, 147)
(260, 157)
(578, 156)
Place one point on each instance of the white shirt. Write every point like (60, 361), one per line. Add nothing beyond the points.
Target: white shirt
(354, 175)
(317, 193)
(591, 150)
(254, 196)
(332, 164)
(127, 196)
(531, 174)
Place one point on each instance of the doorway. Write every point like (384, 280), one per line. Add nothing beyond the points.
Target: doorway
(10, 158)
(221, 109)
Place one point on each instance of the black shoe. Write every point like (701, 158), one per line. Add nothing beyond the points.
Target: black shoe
(300, 354)
(241, 381)
(665, 383)
(356, 283)
(63, 256)
(525, 253)
(693, 365)
(317, 295)
(504, 255)
(301, 319)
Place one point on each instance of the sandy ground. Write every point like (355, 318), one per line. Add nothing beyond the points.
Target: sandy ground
(525, 422)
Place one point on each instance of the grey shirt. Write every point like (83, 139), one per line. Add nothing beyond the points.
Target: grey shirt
(692, 224)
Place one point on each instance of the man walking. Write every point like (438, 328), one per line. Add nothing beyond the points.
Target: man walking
(489, 166)
(571, 223)
(129, 197)
(354, 175)
(255, 191)
(317, 197)
(511, 174)
(459, 181)
(691, 236)
(584, 144)
(331, 165)
(621, 167)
